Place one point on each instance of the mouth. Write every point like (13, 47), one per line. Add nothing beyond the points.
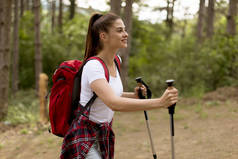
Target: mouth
(124, 40)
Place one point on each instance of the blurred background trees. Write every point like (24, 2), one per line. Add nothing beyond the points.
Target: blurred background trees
(200, 53)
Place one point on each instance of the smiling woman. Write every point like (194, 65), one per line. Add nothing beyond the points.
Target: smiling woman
(90, 135)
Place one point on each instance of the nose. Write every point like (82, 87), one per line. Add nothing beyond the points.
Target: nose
(125, 34)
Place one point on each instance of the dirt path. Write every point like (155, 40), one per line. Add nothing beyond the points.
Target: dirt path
(208, 130)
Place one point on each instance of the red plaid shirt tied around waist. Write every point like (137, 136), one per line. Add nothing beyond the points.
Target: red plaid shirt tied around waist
(82, 135)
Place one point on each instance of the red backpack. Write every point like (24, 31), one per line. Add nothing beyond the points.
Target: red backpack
(65, 93)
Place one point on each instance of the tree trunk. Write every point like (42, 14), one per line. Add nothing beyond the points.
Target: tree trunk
(170, 16)
(126, 52)
(60, 18)
(38, 60)
(116, 6)
(15, 58)
(200, 20)
(22, 7)
(27, 4)
(5, 30)
(72, 9)
(232, 13)
(210, 18)
(53, 6)
(32, 7)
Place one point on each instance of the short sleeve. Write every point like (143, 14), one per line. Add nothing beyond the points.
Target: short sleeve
(93, 70)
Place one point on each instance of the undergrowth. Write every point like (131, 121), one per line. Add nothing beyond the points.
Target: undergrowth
(23, 108)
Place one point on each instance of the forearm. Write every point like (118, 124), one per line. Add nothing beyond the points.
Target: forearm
(118, 103)
(129, 95)
(128, 104)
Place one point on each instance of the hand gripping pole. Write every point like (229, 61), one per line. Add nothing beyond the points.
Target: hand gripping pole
(140, 82)
(171, 112)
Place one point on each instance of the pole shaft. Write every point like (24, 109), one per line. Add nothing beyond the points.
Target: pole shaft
(150, 136)
(172, 135)
(141, 96)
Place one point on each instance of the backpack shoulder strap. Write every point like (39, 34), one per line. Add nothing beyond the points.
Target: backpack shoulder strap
(117, 61)
(90, 102)
(103, 64)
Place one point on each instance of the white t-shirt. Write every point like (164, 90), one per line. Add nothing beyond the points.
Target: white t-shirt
(93, 70)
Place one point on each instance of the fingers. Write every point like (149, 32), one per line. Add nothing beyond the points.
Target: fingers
(170, 96)
(143, 90)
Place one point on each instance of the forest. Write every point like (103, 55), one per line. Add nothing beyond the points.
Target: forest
(199, 53)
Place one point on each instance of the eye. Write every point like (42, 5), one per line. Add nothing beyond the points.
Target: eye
(119, 30)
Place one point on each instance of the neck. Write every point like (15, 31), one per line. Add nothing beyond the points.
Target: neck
(108, 56)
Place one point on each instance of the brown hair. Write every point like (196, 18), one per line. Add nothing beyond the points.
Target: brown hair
(97, 23)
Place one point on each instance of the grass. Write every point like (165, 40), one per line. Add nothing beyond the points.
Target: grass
(212, 103)
(199, 110)
(24, 131)
(23, 108)
(186, 126)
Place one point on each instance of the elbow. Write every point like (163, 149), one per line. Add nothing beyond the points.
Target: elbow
(116, 109)
(114, 104)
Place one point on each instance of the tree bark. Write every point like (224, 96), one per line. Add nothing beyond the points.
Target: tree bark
(15, 58)
(125, 53)
(170, 16)
(200, 20)
(22, 7)
(38, 59)
(32, 7)
(116, 6)
(27, 4)
(210, 18)
(72, 9)
(53, 6)
(60, 18)
(232, 13)
(5, 30)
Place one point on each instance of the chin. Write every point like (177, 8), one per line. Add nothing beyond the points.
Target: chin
(124, 46)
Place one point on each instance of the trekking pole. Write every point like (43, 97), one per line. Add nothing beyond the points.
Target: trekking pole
(171, 112)
(140, 82)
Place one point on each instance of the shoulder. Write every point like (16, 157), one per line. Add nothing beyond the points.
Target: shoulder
(93, 70)
(93, 64)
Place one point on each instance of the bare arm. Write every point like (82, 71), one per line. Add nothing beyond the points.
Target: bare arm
(135, 93)
(129, 95)
(116, 103)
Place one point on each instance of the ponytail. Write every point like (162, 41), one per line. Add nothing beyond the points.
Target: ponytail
(97, 23)
(92, 38)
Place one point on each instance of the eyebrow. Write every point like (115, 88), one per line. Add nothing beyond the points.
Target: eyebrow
(120, 28)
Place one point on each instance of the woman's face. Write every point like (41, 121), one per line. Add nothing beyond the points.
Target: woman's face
(116, 36)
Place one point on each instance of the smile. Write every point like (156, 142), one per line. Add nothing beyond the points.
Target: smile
(124, 40)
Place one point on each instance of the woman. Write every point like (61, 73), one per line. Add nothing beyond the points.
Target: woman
(93, 138)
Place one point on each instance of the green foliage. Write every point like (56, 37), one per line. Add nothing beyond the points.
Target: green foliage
(23, 108)
(197, 68)
(56, 47)
(26, 51)
(59, 47)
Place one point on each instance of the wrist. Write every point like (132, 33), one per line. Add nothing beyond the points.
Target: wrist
(135, 95)
(158, 103)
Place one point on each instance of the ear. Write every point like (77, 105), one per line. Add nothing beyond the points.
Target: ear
(102, 36)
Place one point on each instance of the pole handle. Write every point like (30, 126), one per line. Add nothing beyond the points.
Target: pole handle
(172, 107)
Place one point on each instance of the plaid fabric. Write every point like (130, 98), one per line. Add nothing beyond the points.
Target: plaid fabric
(82, 135)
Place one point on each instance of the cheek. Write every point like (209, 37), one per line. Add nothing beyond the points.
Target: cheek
(115, 39)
